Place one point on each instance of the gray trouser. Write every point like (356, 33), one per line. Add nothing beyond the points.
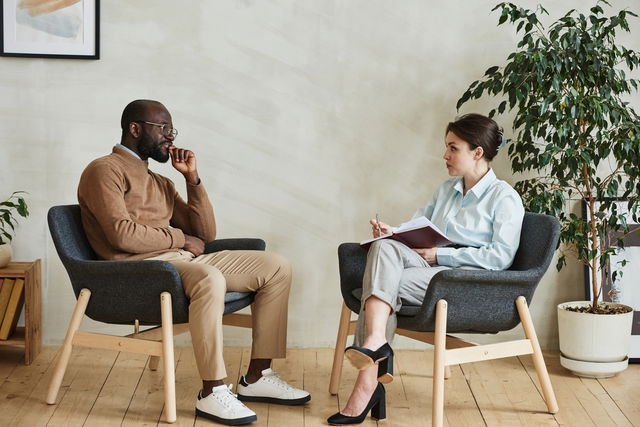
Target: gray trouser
(397, 275)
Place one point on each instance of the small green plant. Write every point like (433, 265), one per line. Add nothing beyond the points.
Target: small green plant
(573, 126)
(15, 204)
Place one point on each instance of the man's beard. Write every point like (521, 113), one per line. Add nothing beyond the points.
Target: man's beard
(149, 148)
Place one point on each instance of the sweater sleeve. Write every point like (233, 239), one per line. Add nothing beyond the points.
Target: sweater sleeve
(195, 217)
(101, 194)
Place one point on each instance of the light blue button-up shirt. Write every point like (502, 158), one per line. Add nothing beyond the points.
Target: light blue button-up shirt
(488, 219)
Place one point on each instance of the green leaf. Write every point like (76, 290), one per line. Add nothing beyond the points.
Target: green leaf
(491, 70)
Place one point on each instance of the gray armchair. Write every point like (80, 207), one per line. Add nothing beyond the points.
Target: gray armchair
(131, 293)
(463, 301)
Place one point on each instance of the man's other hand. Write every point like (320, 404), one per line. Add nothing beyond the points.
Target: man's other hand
(184, 161)
(193, 245)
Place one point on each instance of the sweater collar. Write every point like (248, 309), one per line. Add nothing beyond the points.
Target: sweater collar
(129, 156)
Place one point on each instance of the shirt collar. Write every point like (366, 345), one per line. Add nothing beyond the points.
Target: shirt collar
(480, 187)
(128, 150)
(484, 183)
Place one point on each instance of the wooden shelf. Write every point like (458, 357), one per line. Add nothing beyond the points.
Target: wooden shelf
(28, 336)
(17, 338)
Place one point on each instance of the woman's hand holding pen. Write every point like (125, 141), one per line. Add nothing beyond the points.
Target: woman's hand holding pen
(379, 228)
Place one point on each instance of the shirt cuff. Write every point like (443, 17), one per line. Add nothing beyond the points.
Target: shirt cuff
(445, 256)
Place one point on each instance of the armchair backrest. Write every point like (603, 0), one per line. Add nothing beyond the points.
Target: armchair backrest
(65, 225)
(538, 242)
(116, 286)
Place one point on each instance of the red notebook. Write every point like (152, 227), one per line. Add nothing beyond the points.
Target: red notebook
(417, 233)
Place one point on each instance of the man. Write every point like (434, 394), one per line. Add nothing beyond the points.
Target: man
(129, 212)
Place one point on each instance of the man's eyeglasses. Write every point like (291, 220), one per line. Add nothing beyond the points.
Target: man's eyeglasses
(164, 128)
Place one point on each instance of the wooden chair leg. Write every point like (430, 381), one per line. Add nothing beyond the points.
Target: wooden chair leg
(63, 360)
(338, 354)
(439, 347)
(447, 372)
(538, 359)
(167, 357)
(154, 362)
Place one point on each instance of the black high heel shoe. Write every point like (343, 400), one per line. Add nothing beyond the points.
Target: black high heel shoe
(362, 357)
(385, 370)
(376, 404)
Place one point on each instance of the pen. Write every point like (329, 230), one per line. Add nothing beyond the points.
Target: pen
(378, 224)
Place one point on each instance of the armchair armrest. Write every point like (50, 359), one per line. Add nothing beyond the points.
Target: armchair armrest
(132, 286)
(248, 244)
(478, 300)
(488, 277)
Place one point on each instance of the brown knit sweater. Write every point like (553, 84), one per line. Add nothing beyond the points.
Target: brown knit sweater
(129, 212)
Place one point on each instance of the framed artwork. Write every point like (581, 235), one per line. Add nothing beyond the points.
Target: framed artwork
(626, 289)
(50, 28)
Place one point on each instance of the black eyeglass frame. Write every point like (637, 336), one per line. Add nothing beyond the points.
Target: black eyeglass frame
(173, 132)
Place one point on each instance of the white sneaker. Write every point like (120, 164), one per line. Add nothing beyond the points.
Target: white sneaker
(271, 389)
(222, 406)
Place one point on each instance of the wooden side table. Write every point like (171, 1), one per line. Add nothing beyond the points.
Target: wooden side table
(28, 336)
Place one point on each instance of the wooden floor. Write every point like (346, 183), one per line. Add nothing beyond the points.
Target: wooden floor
(114, 389)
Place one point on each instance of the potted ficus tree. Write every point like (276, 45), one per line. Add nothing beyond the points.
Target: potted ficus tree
(9, 209)
(566, 83)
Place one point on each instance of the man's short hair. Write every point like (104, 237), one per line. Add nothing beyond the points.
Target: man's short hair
(135, 110)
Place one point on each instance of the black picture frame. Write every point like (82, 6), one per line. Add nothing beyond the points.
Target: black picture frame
(632, 255)
(35, 31)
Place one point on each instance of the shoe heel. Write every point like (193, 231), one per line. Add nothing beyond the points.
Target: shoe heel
(379, 410)
(385, 370)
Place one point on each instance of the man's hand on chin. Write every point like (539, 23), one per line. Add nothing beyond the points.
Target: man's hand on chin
(184, 161)
(193, 245)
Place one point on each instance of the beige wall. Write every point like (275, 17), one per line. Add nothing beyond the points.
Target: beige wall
(307, 118)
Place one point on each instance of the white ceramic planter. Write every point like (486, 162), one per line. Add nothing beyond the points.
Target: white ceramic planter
(5, 254)
(594, 345)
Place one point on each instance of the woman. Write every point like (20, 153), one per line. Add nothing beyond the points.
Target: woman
(480, 214)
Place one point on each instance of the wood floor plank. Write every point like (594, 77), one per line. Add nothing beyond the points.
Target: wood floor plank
(623, 389)
(188, 383)
(581, 400)
(147, 402)
(416, 373)
(94, 367)
(401, 410)
(116, 394)
(460, 406)
(317, 365)
(17, 388)
(35, 412)
(99, 387)
(11, 358)
(505, 393)
(611, 408)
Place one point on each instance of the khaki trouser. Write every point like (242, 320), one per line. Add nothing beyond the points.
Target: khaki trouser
(208, 277)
